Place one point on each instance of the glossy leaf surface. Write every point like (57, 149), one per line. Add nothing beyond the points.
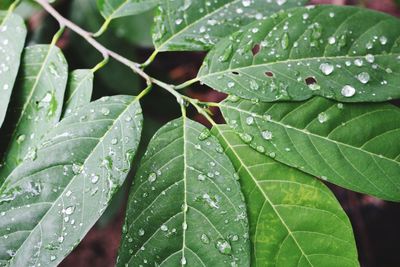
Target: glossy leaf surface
(344, 53)
(111, 9)
(48, 204)
(185, 206)
(352, 145)
(36, 103)
(294, 219)
(12, 39)
(199, 25)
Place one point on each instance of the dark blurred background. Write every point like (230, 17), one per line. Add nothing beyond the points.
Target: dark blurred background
(375, 222)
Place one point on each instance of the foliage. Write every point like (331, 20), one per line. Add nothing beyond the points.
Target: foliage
(250, 192)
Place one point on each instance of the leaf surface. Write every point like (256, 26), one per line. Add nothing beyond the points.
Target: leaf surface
(199, 25)
(344, 53)
(352, 145)
(12, 39)
(47, 205)
(294, 219)
(36, 102)
(79, 91)
(111, 9)
(185, 205)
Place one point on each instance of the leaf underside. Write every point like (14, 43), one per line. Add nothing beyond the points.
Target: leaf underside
(12, 39)
(352, 145)
(185, 204)
(199, 25)
(344, 53)
(36, 103)
(294, 219)
(47, 205)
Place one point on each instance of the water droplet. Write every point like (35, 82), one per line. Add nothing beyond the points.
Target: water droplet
(141, 232)
(204, 135)
(204, 238)
(247, 138)
(326, 68)
(250, 120)
(152, 177)
(267, 135)
(363, 77)
(348, 91)
(322, 117)
(223, 246)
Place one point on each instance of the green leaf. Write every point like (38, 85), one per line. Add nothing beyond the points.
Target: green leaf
(185, 206)
(345, 53)
(12, 39)
(294, 219)
(50, 203)
(36, 102)
(199, 25)
(111, 9)
(79, 91)
(352, 145)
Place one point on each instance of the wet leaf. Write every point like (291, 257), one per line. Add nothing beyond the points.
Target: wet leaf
(344, 53)
(47, 205)
(79, 91)
(185, 206)
(111, 9)
(199, 25)
(36, 102)
(12, 39)
(294, 219)
(352, 145)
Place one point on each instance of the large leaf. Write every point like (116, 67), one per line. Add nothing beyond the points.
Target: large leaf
(79, 91)
(198, 25)
(353, 145)
(111, 9)
(36, 102)
(12, 39)
(185, 206)
(294, 219)
(48, 204)
(345, 53)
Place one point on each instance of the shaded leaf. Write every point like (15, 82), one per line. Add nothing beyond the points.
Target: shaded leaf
(50, 203)
(111, 9)
(36, 102)
(12, 39)
(79, 91)
(352, 145)
(185, 206)
(294, 219)
(345, 53)
(199, 25)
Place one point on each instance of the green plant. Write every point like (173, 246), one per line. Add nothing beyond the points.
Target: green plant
(301, 84)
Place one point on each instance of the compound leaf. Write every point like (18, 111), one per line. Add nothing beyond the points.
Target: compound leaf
(352, 145)
(48, 204)
(185, 206)
(199, 25)
(79, 91)
(36, 102)
(344, 53)
(294, 219)
(12, 39)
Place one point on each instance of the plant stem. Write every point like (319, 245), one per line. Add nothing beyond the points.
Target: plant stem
(186, 84)
(103, 28)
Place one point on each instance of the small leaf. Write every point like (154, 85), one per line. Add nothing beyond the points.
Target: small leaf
(111, 9)
(47, 205)
(352, 145)
(12, 39)
(79, 91)
(199, 25)
(294, 219)
(36, 103)
(345, 53)
(185, 206)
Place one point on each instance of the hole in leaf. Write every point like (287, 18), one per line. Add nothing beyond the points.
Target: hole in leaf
(235, 73)
(310, 80)
(255, 49)
(269, 73)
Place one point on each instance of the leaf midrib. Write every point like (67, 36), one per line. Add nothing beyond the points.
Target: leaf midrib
(242, 165)
(128, 105)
